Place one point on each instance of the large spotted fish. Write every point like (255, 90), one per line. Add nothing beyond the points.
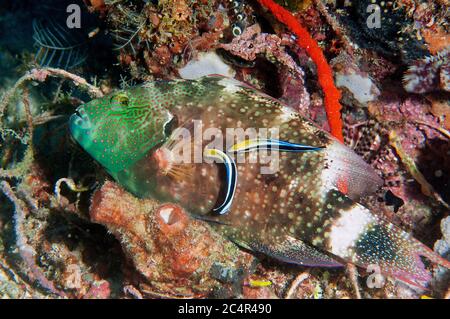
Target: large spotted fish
(277, 193)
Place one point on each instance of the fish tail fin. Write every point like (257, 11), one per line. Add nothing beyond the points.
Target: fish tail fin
(400, 255)
(360, 237)
(426, 252)
(415, 274)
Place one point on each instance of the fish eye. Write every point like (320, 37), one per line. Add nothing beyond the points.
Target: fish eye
(236, 30)
(120, 98)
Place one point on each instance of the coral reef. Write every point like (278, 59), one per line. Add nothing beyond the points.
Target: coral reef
(173, 252)
(158, 37)
(429, 74)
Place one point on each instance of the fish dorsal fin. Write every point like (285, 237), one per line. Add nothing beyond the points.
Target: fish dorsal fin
(291, 250)
(344, 165)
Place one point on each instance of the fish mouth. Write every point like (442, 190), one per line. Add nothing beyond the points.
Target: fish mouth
(79, 124)
(80, 118)
(77, 113)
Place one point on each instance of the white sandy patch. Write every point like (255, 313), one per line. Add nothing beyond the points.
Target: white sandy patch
(206, 64)
(361, 87)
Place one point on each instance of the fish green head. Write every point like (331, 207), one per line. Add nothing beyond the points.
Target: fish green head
(119, 129)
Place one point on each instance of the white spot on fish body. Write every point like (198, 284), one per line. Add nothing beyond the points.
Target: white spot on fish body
(348, 228)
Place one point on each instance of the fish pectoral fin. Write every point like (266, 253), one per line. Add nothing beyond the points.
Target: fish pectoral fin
(294, 251)
(231, 178)
(270, 144)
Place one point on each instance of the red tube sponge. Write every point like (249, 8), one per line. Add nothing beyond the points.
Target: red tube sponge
(325, 75)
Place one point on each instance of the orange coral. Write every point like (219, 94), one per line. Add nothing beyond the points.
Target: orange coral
(96, 5)
(437, 40)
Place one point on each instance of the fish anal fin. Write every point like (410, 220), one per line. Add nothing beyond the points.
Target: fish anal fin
(294, 251)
